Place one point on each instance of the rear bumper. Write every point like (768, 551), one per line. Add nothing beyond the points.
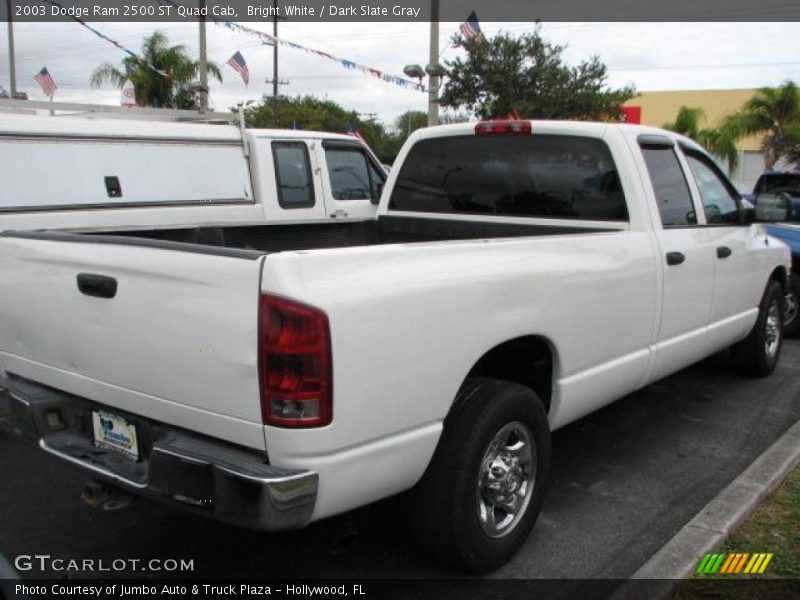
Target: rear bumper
(201, 474)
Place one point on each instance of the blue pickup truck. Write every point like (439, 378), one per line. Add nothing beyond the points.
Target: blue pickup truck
(786, 183)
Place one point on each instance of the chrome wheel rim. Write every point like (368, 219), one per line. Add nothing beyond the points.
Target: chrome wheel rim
(506, 479)
(773, 330)
(790, 308)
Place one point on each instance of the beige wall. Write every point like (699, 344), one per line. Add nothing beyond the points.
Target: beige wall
(659, 108)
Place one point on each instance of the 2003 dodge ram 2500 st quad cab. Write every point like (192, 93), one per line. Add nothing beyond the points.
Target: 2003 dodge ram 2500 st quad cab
(519, 275)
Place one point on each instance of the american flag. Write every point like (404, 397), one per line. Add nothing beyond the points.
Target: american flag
(45, 80)
(240, 66)
(470, 28)
(354, 132)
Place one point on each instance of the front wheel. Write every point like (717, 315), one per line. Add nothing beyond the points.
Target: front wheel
(483, 490)
(759, 352)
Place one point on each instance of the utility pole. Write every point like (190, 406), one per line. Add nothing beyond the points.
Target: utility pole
(276, 81)
(433, 80)
(275, 61)
(203, 60)
(12, 67)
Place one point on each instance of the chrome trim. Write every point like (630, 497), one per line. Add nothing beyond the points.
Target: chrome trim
(210, 477)
(90, 467)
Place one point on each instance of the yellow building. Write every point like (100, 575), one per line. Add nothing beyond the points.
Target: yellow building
(658, 108)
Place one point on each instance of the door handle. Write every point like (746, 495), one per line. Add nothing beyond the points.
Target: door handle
(675, 258)
(99, 286)
(723, 252)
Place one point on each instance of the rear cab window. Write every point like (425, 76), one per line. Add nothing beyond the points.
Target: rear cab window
(546, 175)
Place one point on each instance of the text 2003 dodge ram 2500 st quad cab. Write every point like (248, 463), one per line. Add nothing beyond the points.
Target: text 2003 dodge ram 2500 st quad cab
(519, 276)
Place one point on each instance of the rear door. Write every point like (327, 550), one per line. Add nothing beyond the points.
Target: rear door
(353, 181)
(686, 256)
(288, 179)
(176, 341)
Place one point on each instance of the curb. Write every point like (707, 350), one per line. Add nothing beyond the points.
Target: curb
(709, 528)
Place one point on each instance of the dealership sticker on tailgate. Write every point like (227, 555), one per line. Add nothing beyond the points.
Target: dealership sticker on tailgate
(115, 433)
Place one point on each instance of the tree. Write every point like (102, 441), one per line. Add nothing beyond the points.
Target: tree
(687, 122)
(774, 114)
(409, 122)
(152, 88)
(528, 75)
(720, 141)
(315, 114)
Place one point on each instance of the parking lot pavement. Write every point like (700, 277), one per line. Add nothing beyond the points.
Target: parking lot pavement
(624, 480)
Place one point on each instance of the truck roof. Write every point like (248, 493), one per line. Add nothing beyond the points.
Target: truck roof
(593, 128)
(46, 125)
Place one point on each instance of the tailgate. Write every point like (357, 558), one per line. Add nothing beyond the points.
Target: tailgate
(176, 342)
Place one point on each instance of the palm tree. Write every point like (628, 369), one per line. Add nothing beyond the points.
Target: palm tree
(687, 122)
(774, 114)
(720, 141)
(152, 88)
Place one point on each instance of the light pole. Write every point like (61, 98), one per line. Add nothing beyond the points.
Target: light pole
(434, 69)
(12, 68)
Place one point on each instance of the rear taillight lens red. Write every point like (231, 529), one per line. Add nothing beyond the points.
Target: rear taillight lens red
(294, 364)
(503, 127)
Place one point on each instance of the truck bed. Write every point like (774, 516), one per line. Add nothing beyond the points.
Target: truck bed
(386, 230)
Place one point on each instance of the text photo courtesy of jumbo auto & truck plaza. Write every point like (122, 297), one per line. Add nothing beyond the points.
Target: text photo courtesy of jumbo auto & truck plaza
(424, 298)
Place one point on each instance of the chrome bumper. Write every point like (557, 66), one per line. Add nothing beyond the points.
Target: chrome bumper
(210, 477)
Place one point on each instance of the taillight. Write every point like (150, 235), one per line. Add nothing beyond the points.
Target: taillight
(503, 127)
(294, 364)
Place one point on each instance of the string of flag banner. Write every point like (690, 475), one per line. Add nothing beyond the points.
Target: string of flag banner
(470, 29)
(347, 64)
(272, 40)
(109, 40)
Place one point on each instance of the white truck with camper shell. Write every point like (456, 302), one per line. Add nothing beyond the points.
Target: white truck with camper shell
(519, 275)
(114, 171)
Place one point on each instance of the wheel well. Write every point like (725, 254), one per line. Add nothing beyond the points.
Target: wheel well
(526, 360)
(780, 275)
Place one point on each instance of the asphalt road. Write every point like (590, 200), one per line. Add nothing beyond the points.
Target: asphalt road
(624, 480)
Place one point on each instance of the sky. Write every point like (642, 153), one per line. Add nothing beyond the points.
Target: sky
(651, 56)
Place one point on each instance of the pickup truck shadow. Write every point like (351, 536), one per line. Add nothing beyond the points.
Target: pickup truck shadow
(623, 481)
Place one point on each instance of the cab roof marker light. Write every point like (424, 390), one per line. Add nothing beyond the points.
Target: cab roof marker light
(510, 127)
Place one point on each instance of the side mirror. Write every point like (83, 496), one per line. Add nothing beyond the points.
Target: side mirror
(773, 208)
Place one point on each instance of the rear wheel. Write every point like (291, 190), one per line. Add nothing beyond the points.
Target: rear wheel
(791, 309)
(759, 352)
(483, 490)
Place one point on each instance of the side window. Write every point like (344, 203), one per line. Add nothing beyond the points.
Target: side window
(352, 175)
(293, 174)
(670, 187)
(720, 201)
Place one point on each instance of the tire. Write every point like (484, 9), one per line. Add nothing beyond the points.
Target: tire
(791, 313)
(455, 510)
(758, 353)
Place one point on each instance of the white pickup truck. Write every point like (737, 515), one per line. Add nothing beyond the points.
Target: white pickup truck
(519, 275)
